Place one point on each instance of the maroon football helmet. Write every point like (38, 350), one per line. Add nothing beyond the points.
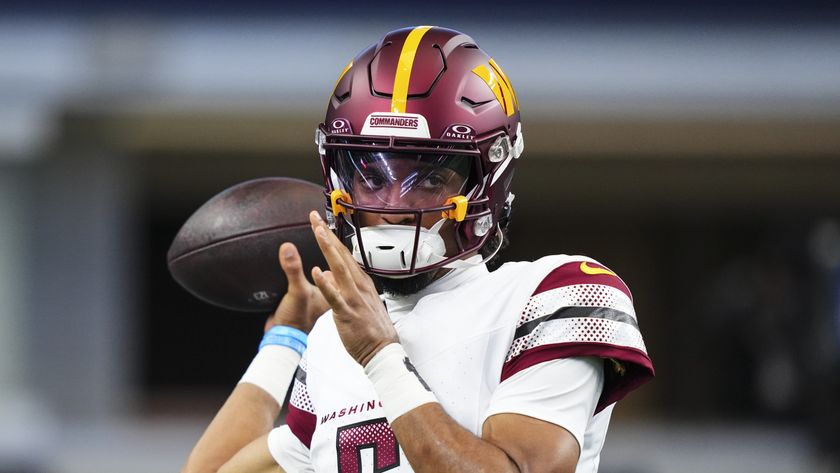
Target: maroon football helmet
(421, 123)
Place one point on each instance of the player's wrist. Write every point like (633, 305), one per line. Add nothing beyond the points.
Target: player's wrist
(365, 359)
(272, 371)
(286, 336)
(397, 382)
(279, 352)
(290, 323)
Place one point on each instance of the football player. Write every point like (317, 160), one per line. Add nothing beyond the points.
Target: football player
(453, 367)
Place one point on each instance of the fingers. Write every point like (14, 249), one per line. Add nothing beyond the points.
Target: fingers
(351, 267)
(316, 222)
(332, 249)
(326, 284)
(353, 264)
(292, 265)
(359, 275)
(332, 252)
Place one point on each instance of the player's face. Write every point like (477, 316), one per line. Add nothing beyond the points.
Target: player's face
(401, 181)
(404, 183)
(413, 181)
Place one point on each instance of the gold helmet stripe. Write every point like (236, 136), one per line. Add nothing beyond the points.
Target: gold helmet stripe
(404, 65)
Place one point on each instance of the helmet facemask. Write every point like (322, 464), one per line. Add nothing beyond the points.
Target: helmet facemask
(402, 211)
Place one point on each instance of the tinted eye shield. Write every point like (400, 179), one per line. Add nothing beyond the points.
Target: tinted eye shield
(474, 148)
(457, 208)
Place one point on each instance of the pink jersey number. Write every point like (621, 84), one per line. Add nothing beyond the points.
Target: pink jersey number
(376, 434)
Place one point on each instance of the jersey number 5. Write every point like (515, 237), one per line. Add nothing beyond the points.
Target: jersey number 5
(373, 434)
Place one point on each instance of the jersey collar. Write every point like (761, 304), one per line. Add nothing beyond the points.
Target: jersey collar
(399, 306)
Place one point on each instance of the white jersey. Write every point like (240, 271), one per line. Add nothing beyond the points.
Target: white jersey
(555, 339)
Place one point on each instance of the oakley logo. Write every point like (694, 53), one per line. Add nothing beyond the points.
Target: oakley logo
(340, 126)
(459, 132)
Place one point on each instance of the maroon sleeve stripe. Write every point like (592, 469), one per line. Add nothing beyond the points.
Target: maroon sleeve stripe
(570, 274)
(639, 367)
(302, 424)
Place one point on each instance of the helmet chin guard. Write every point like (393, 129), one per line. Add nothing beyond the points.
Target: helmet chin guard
(391, 247)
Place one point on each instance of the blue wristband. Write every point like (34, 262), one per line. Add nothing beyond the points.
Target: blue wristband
(285, 336)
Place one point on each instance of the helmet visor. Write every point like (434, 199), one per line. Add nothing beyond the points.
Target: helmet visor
(399, 180)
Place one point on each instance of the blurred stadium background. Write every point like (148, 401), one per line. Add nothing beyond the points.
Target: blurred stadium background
(692, 146)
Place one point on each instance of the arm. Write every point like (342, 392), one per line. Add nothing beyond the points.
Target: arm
(536, 419)
(235, 441)
(432, 441)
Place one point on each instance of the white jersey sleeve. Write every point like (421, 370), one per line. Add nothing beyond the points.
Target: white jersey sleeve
(568, 401)
(289, 444)
(301, 411)
(288, 451)
(582, 309)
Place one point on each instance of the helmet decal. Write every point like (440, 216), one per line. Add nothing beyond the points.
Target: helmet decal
(396, 124)
(497, 83)
(501, 73)
(459, 132)
(341, 126)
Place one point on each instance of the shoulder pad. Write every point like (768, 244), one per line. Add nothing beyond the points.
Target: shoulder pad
(581, 271)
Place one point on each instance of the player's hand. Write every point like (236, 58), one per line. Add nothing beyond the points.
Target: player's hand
(360, 316)
(303, 303)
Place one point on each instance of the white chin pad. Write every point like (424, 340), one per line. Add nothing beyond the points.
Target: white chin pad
(390, 247)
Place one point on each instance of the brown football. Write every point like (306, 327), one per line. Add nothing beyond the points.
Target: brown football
(226, 252)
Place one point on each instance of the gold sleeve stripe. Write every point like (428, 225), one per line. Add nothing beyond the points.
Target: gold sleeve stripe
(504, 77)
(404, 65)
(498, 87)
(346, 68)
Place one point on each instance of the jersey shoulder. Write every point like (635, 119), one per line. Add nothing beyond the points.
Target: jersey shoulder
(573, 280)
(580, 307)
(575, 270)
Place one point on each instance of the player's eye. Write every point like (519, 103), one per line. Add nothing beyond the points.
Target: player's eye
(372, 181)
(433, 181)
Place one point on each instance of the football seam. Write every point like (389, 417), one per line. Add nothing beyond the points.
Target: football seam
(246, 234)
